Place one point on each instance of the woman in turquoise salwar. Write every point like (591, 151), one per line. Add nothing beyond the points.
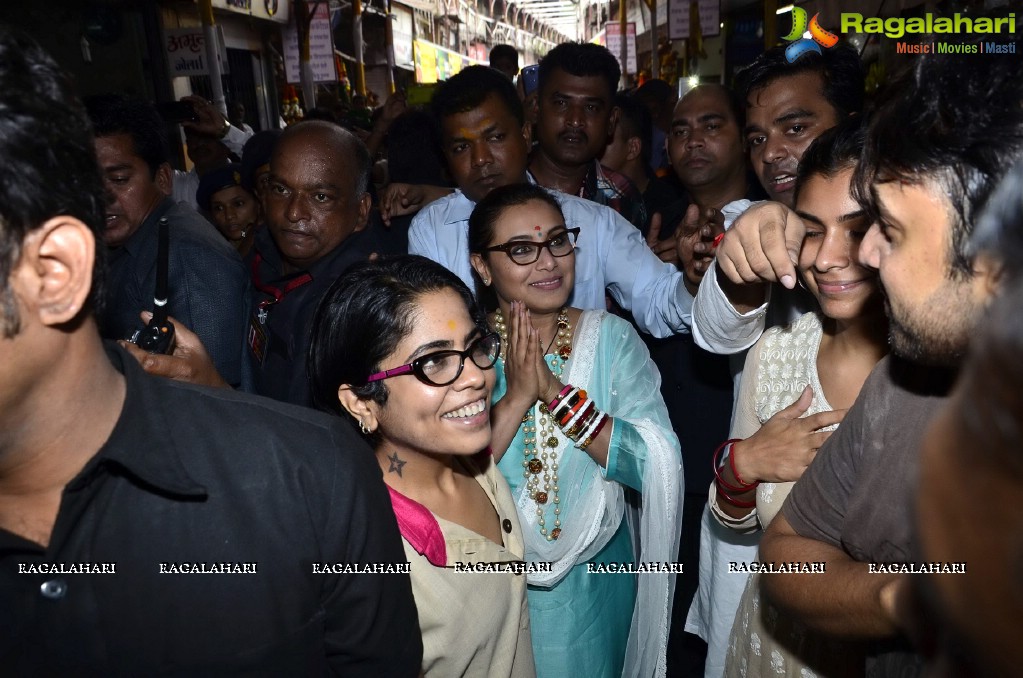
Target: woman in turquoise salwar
(579, 425)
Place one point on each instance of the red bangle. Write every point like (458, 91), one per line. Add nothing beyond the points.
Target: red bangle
(557, 398)
(596, 431)
(584, 417)
(576, 406)
(731, 465)
(733, 501)
(565, 404)
(717, 469)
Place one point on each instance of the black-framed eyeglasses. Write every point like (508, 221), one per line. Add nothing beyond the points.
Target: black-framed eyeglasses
(442, 368)
(526, 252)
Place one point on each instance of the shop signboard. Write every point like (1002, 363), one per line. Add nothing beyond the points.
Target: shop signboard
(613, 31)
(401, 29)
(321, 48)
(186, 51)
(435, 63)
(679, 12)
(272, 10)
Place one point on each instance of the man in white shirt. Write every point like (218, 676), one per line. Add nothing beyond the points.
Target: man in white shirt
(486, 143)
(210, 130)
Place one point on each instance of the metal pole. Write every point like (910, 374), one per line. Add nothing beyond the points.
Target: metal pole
(625, 42)
(390, 50)
(655, 58)
(303, 22)
(209, 34)
(360, 66)
(770, 23)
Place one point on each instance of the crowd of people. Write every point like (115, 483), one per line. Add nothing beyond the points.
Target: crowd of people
(433, 384)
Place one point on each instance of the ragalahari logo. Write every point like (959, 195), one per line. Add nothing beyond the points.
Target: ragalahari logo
(804, 42)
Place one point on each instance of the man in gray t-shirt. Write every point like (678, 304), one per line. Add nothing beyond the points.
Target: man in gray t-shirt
(945, 145)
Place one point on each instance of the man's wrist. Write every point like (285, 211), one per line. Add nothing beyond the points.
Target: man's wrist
(225, 129)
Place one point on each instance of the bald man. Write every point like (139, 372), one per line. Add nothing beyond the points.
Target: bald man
(317, 207)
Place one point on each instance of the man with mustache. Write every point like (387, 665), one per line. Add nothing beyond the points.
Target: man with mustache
(706, 152)
(149, 528)
(576, 119)
(788, 105)
(942, 137)
(206, 276)
(485, 140)
(316, 206)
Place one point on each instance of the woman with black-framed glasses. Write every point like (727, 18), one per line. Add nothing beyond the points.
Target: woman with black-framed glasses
(401, 346)
(580, 420)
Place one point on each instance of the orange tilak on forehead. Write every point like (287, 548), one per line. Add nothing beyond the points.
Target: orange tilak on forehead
(476, 131)
(452, 325)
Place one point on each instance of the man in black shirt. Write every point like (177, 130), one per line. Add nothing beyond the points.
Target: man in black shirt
(207, 280)
(317, 206)
(149, 527)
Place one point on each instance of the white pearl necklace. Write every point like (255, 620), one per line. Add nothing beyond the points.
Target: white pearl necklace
(545, 460)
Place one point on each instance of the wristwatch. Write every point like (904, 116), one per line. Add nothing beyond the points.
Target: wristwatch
(225, 129)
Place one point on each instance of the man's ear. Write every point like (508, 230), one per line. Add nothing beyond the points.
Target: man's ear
(479, 265)
(164, 179)
(57, 261)
(988, 274)
(634, 147)
(527, 134)
(365, 203)
(364, 411)
(612, 123)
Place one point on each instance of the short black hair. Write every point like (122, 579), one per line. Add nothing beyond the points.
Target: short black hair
(485, 215)
(999, 230)
(581, 59)
(256, 152)
(835, 150)
(469, 88)
(49, 167)
(987, 404)
(947, 122)
(504, 52)
(363, 317)
(654, 91)
(120, 114)
(839, 67)
(736, 104)
(414, 153)
(636, 122)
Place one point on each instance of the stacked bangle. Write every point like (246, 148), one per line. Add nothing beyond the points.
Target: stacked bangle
(723, 486)
(557, 399)
(733, 501)
(577, 416)
(594, 431)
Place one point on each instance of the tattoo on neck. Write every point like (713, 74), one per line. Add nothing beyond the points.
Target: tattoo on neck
(396, 464)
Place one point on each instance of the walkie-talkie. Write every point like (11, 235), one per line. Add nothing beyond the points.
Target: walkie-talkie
(158, 335)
